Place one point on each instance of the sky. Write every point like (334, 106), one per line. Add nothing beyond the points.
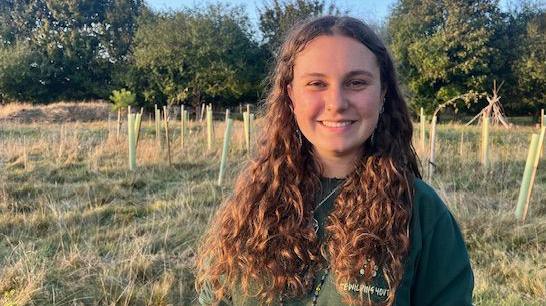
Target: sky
(370, 10)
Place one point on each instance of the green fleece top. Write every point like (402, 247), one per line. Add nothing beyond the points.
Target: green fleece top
(437, 268)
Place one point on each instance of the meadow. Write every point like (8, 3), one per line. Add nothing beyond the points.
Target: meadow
(78, 228)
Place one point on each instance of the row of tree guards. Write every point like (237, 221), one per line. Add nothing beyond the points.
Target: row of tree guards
(134, 123)
(534, 155)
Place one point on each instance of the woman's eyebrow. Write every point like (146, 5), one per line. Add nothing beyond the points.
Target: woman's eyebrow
(313, 74)
(349, 74)
(360, 72)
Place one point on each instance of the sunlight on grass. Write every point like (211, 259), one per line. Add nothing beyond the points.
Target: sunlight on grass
(78, 227)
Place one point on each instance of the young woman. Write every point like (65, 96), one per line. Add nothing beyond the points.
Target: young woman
(332, 210)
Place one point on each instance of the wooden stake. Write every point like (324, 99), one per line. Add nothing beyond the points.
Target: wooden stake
(167, 142)
(209, 129)
(422, 131)
(202, 112)
(119, 124)
(542, 125)
(158, 127)
(541, 118)
(484, 156)
(182, 126)
(431, 162)
(212, 116)
(139, 124)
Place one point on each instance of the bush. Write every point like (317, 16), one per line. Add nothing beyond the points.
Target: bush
(122, 98)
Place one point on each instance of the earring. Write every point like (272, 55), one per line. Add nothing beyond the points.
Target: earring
(298, 136)
(372, 138)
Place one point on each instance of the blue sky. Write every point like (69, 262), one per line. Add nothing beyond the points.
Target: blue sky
(373, 11)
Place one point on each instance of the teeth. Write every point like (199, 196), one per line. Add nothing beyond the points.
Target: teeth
(336, 123)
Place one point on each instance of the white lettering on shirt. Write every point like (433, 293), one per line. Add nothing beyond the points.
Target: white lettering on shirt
(382, 292)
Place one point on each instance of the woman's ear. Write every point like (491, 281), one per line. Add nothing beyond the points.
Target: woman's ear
(290, 92)
(383, 95)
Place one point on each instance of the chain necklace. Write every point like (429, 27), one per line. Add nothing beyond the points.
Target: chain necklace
(315, 221)
(316, 292)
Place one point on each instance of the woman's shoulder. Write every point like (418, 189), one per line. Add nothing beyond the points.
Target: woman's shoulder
(428, 207)
(438, 270)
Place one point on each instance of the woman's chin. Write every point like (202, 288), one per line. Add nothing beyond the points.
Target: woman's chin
(340, 150)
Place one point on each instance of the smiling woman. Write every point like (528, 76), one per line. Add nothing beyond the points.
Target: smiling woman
(332, 211)
(336, 95)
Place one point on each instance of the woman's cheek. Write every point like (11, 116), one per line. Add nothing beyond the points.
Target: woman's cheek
(310, 102)
(368, 107)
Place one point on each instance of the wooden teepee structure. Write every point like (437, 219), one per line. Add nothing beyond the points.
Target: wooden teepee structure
(494, 109)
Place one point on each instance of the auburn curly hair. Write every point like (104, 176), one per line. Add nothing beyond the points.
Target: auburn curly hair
(261, 241)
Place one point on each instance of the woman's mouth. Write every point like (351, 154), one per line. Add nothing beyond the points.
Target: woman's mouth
(336, 124)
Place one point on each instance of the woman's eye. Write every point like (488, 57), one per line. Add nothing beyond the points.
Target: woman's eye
(357, 83)
(316, 84)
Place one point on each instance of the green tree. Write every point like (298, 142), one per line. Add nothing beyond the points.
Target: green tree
(122, 99)
(84, 42)
(18, 19)
(277, 17)
(446, 48)
(22, 73)
(197, 55)
(528, 60)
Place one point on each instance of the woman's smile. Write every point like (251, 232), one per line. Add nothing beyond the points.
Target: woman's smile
(337, 126)
(336, 94)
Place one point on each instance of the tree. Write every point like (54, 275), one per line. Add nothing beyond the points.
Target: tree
(18, 19)
(122, 99)
(277, 17)
(446, 48)
(84, 42)
(22, 71)
(196, 55)
(528, 65)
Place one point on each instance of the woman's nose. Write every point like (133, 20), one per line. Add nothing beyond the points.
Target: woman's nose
(336, 100)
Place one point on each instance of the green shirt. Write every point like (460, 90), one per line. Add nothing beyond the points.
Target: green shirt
(437, 268)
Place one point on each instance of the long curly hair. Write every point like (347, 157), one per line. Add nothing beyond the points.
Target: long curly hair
(261, 241)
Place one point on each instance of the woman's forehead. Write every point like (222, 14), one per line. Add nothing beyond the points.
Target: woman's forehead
(334, 54)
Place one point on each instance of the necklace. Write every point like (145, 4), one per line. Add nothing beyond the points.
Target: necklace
(316, 292)
(315, 222)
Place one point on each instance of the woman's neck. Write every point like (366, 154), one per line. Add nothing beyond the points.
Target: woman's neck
(336, 166)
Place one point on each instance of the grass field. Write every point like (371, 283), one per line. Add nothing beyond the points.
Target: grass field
(76, 227)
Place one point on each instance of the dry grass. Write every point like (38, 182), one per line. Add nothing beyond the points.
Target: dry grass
(9, 109)
(77, 227)
(55, 113)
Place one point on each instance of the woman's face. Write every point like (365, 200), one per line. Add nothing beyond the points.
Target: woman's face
(336, 94)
